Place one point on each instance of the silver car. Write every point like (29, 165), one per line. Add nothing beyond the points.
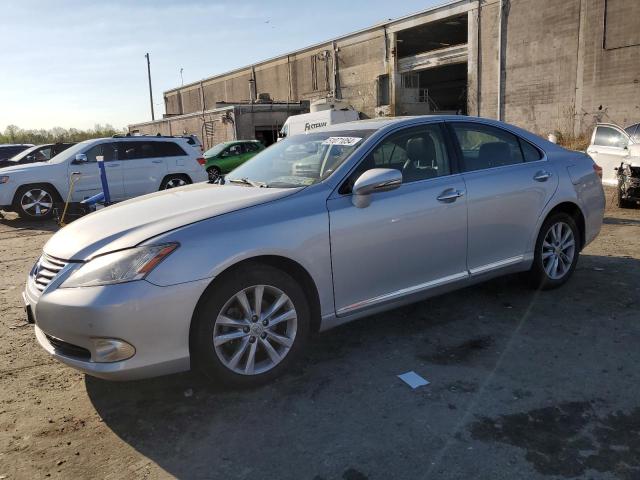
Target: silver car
(233, 278)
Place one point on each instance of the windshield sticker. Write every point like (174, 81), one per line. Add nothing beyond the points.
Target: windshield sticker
(346, 141)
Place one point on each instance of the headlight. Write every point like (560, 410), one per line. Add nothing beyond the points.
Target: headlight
(118, 267)
(4, 179)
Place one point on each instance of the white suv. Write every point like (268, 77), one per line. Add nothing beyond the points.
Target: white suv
(134, 166)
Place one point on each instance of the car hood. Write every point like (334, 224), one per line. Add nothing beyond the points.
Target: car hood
(23, 167)
(129, 223)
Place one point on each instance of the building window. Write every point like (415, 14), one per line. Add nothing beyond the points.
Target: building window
(410, 80)
(383, 90)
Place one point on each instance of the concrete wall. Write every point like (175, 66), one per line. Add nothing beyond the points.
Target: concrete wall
(223, 124)
(562, 69)
(609, 87)
(540, 67)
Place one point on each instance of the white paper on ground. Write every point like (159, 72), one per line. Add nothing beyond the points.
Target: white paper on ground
(413, 379)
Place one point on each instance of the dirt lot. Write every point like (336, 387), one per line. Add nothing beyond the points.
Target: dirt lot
(523, 385)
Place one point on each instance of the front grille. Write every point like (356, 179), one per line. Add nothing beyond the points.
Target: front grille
(68, 349)
(46, 270)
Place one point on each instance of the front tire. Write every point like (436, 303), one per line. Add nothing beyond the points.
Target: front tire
(35, 202)
(556, 252)
(251, 325)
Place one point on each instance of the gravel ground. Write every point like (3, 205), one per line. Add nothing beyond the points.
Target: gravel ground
(523, 385)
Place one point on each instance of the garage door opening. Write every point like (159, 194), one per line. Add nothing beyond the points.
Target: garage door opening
(445, 88)
(438, 90)
(267, 135)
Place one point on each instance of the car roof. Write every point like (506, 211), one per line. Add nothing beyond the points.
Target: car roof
(381, 125)
(384, 122)
(140, 138)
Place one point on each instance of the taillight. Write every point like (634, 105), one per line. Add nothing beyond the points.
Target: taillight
(598, 169)
(202, 161)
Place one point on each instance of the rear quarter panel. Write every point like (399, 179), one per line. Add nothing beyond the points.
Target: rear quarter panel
(579, 184)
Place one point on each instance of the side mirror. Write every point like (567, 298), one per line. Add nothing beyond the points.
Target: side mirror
(634, 150)
(372, 181)
(80, 158)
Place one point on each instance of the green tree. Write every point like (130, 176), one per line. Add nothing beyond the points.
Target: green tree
(15, 134)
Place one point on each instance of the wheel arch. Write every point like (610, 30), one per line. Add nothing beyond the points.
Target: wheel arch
(37, 184)
(287, 265)
(175, 174)
(572, 209)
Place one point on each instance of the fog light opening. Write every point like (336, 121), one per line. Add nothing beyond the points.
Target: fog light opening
(107, 350)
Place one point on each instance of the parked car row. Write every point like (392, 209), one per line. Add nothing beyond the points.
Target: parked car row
(35, 154)
(319, 229)
(134, 165)
(226, 156)
(9, 150)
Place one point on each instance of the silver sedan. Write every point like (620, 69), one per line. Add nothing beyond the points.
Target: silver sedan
(317, 230)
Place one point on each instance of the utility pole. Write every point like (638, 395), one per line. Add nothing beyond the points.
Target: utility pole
(153, 117)
(181, 77)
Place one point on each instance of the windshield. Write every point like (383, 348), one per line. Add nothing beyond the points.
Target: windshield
(299, 160)
(215, 151)
(19, 156)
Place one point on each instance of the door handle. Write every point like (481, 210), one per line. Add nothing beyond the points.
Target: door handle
(112, 164)
(450, 195)
(156, 161)
(542, 176)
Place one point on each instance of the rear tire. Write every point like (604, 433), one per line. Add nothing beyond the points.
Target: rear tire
(556, 252)
(35, 202)
(250, 326)
(174, 181)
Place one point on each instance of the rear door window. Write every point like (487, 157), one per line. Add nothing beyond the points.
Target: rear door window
(168, 149)
(531, 153)
(485, 146)
(136, 150)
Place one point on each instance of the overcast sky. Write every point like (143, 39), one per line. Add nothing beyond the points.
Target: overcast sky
(78, 63)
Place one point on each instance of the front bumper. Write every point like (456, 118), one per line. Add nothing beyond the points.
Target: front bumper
(154, 320)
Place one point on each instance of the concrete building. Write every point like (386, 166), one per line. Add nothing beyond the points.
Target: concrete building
(540, 64)
(222, 122)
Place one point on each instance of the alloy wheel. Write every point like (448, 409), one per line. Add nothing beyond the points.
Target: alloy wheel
(558, 250)
(214, 174)
(255, 330)
(175, 182)
(36, 202)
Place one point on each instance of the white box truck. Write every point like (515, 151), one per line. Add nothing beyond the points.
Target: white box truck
(322, 114)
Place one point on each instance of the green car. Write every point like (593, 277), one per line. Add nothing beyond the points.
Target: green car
(226, 156)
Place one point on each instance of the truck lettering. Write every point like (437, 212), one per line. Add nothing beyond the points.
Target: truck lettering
(310, 126)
